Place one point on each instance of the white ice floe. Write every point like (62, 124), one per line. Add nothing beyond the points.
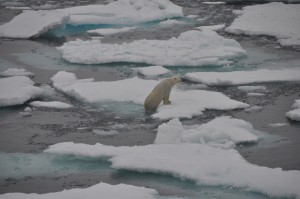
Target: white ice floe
(105, 191)
(31, 23)
(17, 90)
(105, 133)
(110, 31)
(274, 19)
(171, 22)
(278, 124)
(192, 16)
(294, 114)
(252, 88)
(223, 132)
(212, 28)
(52, 104)
(184, 103)
(191, 48)
(16, 72)
(206, 165)
(244, 77)
(255, 94)
(151, 71)
(124, 12)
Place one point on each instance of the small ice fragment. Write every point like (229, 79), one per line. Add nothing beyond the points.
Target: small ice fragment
(105, 133)
(27, 109)
(254, 109)
(25, 114)
(278, 124)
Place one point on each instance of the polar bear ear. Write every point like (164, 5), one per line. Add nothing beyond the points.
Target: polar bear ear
(177, 79)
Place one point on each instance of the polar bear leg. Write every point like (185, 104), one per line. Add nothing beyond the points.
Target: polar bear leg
(166, 98)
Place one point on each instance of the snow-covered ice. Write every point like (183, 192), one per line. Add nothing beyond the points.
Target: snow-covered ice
(244, 77)
(278, 124)
(17, 90)
(105, 133)
(252, 88)
(294, 114)
(103, 190)
(16, 72)
(51, 104)
(171, 22)
(191, 48)
(206, 165)
(222, 131)
(110, 31)
(274, 19)
(151, 71)
(184, 103)
(213, 27)
(31, 23)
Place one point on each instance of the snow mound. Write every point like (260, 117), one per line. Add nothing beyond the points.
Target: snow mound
(31, 23)
(274, 19)
(106, 191)
(110, 31)
(184, 103)
(244, 77)
(294, 114)
(222, 132)
(191, 48)
(52, 104)
(16, 72)
(203, 164)
(17, 90)
(124, 12)
(151, 71)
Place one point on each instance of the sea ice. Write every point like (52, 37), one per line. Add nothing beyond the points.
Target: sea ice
(253, 109)
(294, 114)
(110, 31)
(31, 23)
(184, 103)
(221, 131)
(274, 19)
(212, 28)
(214, 2)
(171, 22)
(16, 72)
(255, 94)
(191, 48)
(105, 191)
(278, 124)
(17, 90)
(52, 104)
(252, 88)
(151, 71)
(244, 77)
(206, 165)
(105, 133)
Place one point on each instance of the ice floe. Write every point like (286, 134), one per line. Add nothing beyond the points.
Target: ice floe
(17, 90)
(244, 77)
(253, 109)
(274, 19)
(206, 165)
(52, 104)
(105, 133)
(171, 22)
(252, 88)
(16, 72)
(151, 71)
(213, 27)
(255, 94)
(31, 23)
(110, 31)
(278, 124)
(294, 114)
(184, 103)
(105, 191)
(191, 48)
(214, 2)
(222, 132)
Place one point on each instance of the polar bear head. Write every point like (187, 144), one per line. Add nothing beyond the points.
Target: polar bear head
(175, 79)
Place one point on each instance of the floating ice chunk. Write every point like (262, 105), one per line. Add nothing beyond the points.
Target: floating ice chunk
(191, 48)
(184, 103)
(102, 189)
(16, 72)
(274, 19)
(294, 114)
(221, 131)
(31, 23)
(105, 133)
(203, 164)
(27, 109)
(255, 94)
(252, 88)
(278, 124)
(18, 8)
(171, 22)
(192, 16)
(17, 90)
(253, 109)
(25, 114)
(124, 12)
(110, 31)
(214, 2)
(151, 71)
(52, 104)
(212, 28)
(244, 77)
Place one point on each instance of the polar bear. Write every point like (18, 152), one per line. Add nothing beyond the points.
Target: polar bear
(161, 92)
